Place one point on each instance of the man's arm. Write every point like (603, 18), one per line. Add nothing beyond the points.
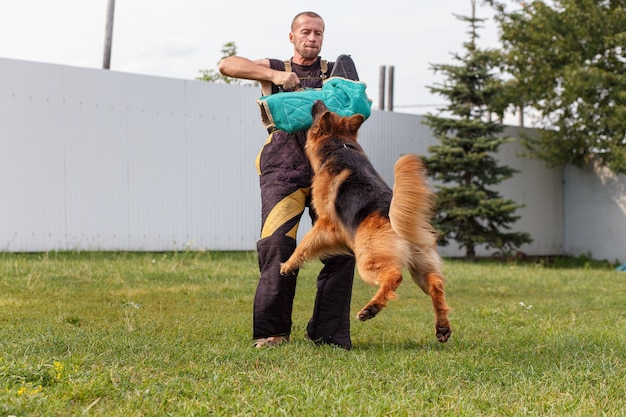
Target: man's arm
(259, 70)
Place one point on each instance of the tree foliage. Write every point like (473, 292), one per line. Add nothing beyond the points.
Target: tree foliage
(213, 75)
(568, 63)
(470, 212)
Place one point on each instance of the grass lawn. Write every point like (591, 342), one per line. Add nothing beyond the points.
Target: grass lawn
(168, 334)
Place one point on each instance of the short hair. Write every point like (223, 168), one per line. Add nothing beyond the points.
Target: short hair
(308, 14)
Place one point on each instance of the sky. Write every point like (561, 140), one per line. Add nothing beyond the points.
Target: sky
(178, 38)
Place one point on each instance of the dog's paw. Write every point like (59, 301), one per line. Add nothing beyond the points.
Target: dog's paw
(368, 313)
(443, 333)
(285, 270)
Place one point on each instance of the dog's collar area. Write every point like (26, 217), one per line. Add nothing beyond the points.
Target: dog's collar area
(347, 145)
(343, 143)
(338, 145)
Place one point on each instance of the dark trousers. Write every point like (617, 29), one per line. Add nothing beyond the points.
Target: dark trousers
(285, 178)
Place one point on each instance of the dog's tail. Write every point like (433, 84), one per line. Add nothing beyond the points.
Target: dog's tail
(412, 204)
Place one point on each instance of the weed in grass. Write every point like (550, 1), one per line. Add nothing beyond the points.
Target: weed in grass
(129, 309)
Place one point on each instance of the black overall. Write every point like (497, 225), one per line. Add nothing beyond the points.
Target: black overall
(285, 180)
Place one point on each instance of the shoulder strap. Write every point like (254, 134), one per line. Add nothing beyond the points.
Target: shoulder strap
(324, 67)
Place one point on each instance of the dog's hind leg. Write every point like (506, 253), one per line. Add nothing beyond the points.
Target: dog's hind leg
(389, 281)
(431, 283)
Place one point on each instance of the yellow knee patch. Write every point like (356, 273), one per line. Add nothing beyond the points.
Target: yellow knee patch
(285, 210)
(257, 161)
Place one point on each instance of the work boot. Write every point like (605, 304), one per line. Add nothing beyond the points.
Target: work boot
(344, 67)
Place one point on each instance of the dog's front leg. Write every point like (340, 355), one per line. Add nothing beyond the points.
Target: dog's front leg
(316, 242)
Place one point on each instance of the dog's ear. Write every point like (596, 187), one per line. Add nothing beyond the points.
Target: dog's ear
(354, 122)
(321, 119)
(324, 124)
(318, 109)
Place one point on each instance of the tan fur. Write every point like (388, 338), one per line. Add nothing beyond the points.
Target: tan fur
(411, 206)
(383, 246)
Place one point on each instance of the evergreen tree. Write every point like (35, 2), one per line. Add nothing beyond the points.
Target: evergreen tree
(470, 212)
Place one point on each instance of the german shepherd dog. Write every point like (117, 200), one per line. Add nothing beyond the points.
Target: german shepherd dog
(359, 214)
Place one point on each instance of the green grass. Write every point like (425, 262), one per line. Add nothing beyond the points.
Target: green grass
(159, 334)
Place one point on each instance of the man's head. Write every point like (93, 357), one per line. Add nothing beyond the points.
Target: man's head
(307, 36)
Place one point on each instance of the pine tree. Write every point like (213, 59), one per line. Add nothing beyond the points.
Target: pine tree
(471, 213)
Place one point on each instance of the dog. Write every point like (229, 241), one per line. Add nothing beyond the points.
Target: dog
(358, 213)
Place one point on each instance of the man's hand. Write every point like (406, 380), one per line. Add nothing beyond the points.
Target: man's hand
(259, 70)
(288, 80)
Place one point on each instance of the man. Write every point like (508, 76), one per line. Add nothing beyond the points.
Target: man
(285, 179)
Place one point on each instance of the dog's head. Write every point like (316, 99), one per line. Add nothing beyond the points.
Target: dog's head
(327, 123)
(329, 132)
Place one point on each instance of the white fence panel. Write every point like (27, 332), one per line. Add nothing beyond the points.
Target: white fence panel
(595, 219)
(101, 160)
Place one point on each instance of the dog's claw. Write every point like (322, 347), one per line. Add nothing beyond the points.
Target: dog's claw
(368, 313)
(443, 334)
(284, 270)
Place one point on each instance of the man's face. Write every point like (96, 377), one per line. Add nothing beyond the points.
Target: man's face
(307, 36)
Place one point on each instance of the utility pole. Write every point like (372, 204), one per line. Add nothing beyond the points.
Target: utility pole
(382, 88)
(108, 36)
(390, 89)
